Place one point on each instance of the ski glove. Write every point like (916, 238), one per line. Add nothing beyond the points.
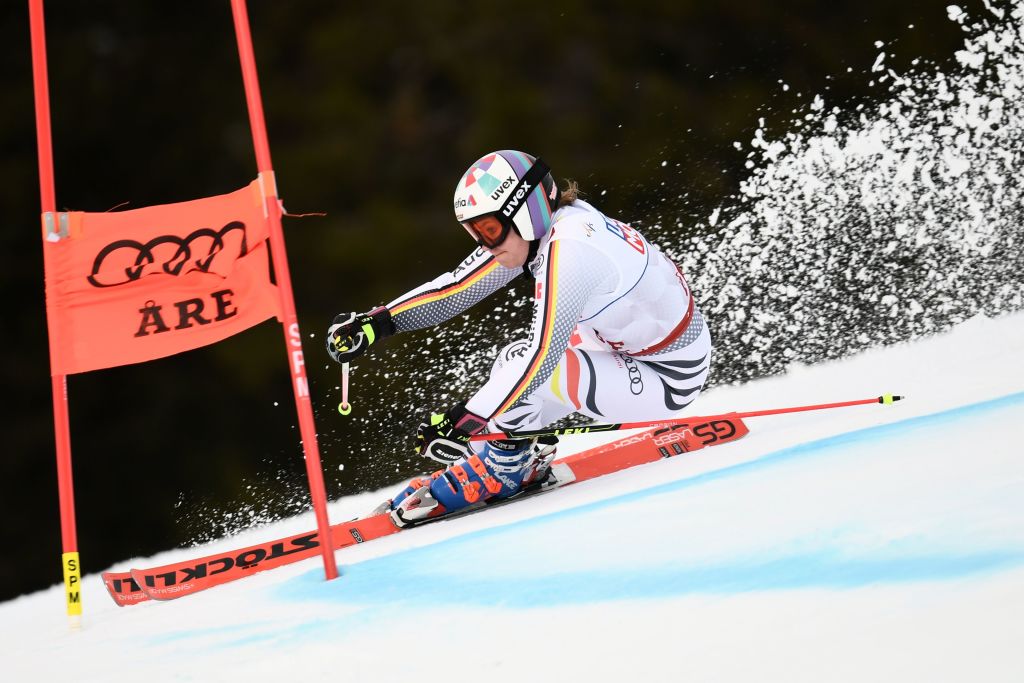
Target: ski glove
(351, 334)
(445, 437)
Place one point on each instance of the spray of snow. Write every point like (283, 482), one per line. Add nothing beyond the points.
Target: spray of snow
(877, 225)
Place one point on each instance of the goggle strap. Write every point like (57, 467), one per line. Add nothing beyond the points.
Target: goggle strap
(532, 178)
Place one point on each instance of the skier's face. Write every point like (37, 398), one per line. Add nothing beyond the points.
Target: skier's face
(512, 252)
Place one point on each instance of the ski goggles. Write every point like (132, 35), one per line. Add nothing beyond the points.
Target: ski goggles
(487, 230)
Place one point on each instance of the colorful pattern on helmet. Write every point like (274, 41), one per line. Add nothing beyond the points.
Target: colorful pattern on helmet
(484, 188)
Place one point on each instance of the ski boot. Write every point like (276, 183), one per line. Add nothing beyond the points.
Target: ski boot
(414, 504)
(492, 470)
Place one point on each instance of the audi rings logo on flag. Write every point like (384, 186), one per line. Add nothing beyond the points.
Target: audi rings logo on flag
(125, 260)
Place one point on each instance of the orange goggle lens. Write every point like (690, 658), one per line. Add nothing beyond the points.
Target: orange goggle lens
(488, 231)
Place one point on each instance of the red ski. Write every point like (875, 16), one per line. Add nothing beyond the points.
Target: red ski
(123, 589)
(191, 576)
(169, 581)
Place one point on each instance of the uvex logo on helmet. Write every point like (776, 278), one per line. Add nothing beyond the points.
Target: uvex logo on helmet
(505, 184)
(513, 201)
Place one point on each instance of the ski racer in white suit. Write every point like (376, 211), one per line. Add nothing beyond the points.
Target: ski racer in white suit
(616, 334)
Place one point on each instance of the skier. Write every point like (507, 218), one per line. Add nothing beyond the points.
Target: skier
(616, 334)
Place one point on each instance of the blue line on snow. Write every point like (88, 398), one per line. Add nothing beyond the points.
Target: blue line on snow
(400, 579)
(406, 576)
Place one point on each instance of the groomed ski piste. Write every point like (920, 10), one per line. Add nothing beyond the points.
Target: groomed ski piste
(873, 543)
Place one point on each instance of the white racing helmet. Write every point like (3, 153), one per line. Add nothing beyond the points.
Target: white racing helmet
(514, 188)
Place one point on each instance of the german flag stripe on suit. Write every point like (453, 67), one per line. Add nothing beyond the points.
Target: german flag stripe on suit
(546, 333)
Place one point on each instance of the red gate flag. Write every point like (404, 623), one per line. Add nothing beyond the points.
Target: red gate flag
(130, 286)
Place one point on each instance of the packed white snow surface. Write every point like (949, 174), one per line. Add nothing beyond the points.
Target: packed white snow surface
(874, 543)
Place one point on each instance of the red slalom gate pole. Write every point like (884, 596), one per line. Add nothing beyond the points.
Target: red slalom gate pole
(292, 338)
(592, 429)
(59, 387)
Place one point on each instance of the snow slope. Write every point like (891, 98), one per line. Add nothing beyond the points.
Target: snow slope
(865, 544)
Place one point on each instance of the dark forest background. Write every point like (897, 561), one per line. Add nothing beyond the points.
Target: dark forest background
(374, 110)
